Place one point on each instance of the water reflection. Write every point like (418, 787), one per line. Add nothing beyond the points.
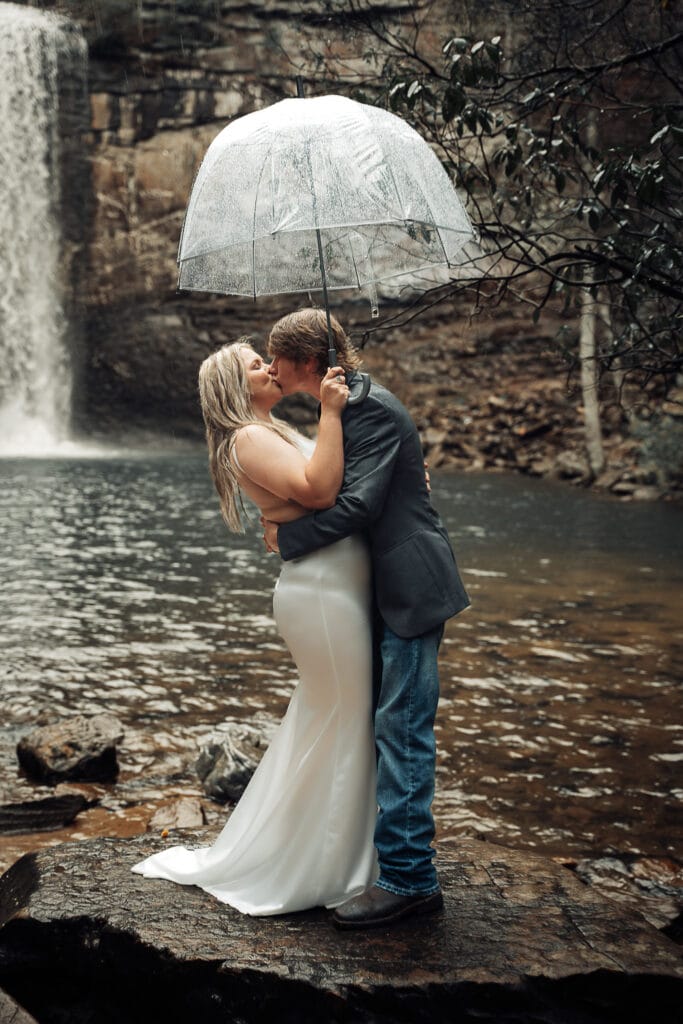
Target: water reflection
(559, 726)
(570, 736)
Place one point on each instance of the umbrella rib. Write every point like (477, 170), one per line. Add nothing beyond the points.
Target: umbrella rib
(353, 258)
(387, 164)
(253, 224)
(400, 201)
(433, 222)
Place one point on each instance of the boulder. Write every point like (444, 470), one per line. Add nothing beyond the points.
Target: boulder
(226, 764)
(572, 466)
(647, 493)
(625, 488)
(520, 939)
(78, 748)
(183, 812)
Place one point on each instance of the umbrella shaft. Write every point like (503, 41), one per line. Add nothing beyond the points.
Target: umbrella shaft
(331, 352)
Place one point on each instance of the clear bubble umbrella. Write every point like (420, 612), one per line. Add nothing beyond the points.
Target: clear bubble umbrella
(318, 194)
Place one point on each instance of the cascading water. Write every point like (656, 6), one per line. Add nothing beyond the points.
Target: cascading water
(37, 50)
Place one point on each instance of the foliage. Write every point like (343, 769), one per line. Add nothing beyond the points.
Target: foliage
(563, 127)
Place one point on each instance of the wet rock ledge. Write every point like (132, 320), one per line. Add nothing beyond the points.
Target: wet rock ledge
(521, 939)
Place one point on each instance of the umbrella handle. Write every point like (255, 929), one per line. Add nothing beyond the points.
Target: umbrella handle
(363, 393)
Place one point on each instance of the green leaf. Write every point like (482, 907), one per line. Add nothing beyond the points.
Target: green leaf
(493, 54)
(484, 120)
(469, 116)
(454, 102)
(468, 73)
(458, 44)
(619, 193)
(647, 188)
(599, 180)
(659, 135)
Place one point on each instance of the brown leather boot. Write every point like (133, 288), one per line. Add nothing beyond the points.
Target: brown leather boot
(376, 907)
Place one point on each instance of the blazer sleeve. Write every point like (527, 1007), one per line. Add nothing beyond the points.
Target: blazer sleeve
(372, 445)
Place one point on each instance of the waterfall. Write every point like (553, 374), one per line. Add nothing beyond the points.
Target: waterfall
(38, 53)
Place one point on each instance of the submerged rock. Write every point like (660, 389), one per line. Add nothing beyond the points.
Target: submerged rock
(227, 763)
(520, 939)
(75, 748)
(41, 815)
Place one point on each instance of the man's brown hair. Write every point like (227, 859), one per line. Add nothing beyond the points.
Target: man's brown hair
(302, 336)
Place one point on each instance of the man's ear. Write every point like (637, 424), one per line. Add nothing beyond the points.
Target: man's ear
(311, 366)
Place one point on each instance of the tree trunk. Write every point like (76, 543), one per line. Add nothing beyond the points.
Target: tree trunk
(590, 384)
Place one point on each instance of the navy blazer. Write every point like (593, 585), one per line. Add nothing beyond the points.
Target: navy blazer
(384, 496)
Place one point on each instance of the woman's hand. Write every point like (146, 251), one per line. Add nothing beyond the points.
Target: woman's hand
(334, 393)
(270, 534)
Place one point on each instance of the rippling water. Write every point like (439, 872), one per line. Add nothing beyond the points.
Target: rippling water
(559, 725)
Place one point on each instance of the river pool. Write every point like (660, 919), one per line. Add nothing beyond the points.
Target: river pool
(559, 726)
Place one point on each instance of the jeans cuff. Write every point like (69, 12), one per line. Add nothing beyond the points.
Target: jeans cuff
(388, 887)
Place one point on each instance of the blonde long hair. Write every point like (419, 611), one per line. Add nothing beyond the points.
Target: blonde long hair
(226, 407)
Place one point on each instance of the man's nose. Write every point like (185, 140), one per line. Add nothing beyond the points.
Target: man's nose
(272, 369)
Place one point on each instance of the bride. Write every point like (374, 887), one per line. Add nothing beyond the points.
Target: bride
(302, 834)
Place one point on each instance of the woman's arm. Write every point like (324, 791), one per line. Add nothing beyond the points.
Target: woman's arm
(373, 442)
(280, 468)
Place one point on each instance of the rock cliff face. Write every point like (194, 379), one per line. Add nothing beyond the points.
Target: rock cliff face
(163, 80)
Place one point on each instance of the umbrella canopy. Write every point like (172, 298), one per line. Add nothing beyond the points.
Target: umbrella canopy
(318, 177)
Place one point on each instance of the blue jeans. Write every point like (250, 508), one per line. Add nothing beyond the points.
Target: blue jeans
(406, 759)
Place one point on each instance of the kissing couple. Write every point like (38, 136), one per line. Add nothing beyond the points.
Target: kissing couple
(338, 812)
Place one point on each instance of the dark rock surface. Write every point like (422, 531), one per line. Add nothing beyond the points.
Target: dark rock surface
(521, 939)
(78, 748)
(40, 815)
(226, 765)
(652, 885)
(11, 1012)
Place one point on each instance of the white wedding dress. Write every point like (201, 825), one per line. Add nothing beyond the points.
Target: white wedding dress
(302, 834)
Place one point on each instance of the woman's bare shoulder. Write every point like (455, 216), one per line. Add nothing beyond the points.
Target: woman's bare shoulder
(256, 436)
(253, 432)
(257, 446)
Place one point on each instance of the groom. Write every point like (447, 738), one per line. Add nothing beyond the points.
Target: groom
(417, 587)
